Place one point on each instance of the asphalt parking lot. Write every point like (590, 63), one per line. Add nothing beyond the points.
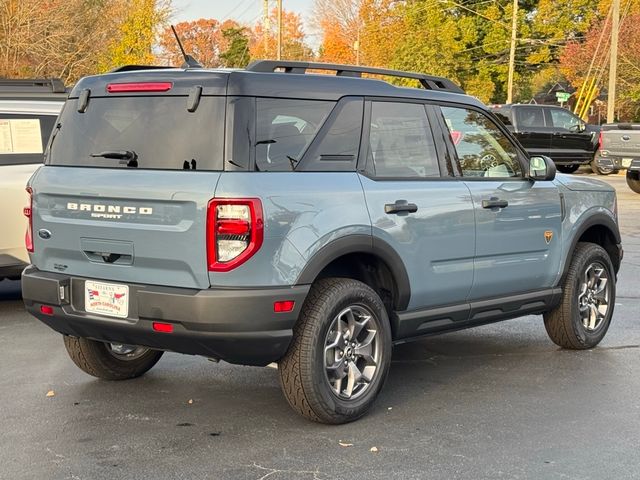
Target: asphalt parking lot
(499, 401)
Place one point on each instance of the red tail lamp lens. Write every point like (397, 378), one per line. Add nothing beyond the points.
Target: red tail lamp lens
(28, 212)
(139, 87)
(46, 309)
(163, 327)
(283, 306)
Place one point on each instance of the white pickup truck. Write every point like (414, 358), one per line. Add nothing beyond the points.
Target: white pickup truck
(620, 150)
(28, 112)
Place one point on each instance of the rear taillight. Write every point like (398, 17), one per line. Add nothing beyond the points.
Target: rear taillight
(28, 212)
(599, 141)
(235, 229)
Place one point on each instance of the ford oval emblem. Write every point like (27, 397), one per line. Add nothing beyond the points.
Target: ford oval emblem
(626, 138)
(44, 233)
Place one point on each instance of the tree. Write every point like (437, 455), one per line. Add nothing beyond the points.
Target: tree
(136, 24)
(203, 39)
(264, 44)
(339, 25)
(576, 58)
(236, 55)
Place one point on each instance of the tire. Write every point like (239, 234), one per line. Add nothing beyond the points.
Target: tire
(633, 180)
(567, 168)
(565, 324)
(99, 360)
(595, 168)
(305, 378)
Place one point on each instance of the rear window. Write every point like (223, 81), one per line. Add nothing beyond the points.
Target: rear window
(23, 137)
(161, 132)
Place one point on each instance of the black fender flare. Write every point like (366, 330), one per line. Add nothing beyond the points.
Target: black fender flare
(597, 219)
(359, 243)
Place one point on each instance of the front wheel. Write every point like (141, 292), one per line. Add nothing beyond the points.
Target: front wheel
(567, 168)
(340, 353)
(588, 297)
(633, 180)
(110, 361)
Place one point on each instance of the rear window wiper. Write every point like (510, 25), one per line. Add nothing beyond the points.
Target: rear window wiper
(125, 156)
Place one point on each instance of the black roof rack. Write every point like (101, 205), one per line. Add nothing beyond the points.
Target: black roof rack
(429, 82)
(133, 68)
(36, 85)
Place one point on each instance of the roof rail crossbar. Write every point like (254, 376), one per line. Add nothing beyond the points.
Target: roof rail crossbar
(429, 82)
(31, 85)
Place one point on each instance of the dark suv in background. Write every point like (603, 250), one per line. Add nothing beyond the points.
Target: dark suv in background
(552, 131)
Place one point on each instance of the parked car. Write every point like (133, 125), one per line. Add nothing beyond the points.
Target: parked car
(28, 111)
(274, 215)
(620, 150)
(552, 131)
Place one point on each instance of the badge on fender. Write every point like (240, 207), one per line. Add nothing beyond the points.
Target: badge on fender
(548, 235)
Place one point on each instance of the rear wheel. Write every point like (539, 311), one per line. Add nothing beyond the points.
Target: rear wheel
(567, 168)
(633, 180)
(588, 297)
(340, 353)
(110, 361)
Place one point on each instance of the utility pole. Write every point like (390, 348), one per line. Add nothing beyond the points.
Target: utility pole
(613, 62)
(357, 44)
(279, 29)
(265, 26)
(512, 51)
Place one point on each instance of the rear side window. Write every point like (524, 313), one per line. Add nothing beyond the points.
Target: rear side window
(400, 141)
(160, 130)
(24, 137)
(284, 130)
(530, 117)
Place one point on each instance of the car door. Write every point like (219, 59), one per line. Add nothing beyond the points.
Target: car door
(518, 221)
(532, 131)
(415, 206)
(570, 140)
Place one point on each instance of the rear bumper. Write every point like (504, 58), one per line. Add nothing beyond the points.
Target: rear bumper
(619, 162)
(235, 325)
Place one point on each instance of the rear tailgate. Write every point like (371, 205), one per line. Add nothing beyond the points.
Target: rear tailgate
(101, 223)
(128, 174)
(621, 142)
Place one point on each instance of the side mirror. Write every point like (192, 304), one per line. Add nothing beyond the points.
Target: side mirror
(578, 127)
(541, 168)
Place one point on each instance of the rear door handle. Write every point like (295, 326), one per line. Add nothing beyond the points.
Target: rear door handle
(400, 206)
(494, 202)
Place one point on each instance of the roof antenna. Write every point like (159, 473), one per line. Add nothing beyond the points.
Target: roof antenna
(189, 61)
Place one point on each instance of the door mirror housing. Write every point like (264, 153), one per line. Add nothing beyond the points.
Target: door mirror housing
(541, 168)
(578, 127)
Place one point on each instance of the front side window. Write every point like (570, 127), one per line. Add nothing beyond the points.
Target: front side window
(400, 141)
(483, 150)
(563, 119)
(284, 130)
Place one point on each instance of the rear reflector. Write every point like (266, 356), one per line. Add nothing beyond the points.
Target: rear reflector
(163, 327)
(46, 309)
(139, 87)
(283, 306)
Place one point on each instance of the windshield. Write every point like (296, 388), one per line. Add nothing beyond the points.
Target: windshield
(159, 131)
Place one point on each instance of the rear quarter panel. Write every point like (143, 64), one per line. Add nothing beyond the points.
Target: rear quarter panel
(303, 212)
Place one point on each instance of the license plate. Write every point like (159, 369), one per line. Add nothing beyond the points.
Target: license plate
(626, 162)
(106, 299)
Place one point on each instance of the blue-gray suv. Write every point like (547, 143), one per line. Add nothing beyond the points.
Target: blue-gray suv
(276, 215)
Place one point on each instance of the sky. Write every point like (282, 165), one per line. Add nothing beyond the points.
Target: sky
(244, 11)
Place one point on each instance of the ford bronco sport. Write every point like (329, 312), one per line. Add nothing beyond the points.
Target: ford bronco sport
(276, 215)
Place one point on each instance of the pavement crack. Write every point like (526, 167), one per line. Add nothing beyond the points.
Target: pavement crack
(274, 471)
